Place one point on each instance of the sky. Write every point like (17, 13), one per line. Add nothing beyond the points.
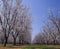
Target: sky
(40, 10)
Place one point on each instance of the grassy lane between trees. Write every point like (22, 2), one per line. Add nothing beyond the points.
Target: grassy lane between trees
(10, 46)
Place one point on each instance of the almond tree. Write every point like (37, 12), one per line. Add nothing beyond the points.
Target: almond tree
(5, 18)
(13, 17)
(25, 27)
(9, 17)
(51, 31)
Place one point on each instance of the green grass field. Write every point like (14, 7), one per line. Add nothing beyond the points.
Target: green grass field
(42, 47)
(10, 46)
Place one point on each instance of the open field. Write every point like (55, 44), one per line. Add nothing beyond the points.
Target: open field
(9, 46)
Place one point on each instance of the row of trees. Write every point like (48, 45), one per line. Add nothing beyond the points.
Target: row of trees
(15, 25)
(15, 22)
(50, 33)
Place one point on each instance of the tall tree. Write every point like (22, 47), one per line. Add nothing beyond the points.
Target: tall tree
(13, 17)
(5, 14)
(25, 26)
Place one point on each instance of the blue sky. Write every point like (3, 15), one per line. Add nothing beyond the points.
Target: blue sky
(39, 10)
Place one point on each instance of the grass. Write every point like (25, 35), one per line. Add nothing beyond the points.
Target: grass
(41, 47)
(10, 46)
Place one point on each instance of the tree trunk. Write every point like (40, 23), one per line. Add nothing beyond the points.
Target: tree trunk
(5, 41)
(19, 41)
(2, 42)
(54, 42)
(14, 41)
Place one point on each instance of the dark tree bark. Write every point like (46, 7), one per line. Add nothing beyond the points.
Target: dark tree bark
(5, 42)
(14, 41)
